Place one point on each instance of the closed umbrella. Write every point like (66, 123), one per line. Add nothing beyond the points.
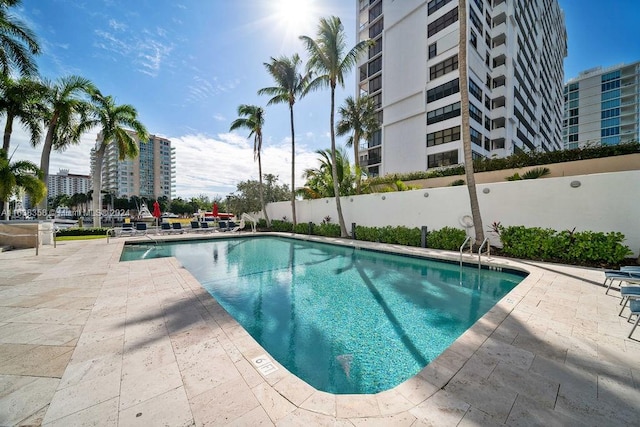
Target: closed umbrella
(215, 210)
(156, 211)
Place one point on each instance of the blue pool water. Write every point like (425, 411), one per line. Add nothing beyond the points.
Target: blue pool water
(344, 320)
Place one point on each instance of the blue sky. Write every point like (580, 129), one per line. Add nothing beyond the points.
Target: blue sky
(186, 66)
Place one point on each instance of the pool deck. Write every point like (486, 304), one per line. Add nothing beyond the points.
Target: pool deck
(88, 340)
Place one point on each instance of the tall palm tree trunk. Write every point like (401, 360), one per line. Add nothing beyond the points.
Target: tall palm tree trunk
(264, 207)
(8, 129)
(466, 132)
(44, 161)
(96, 201)
(334, 168)
(356, 159)
(293, 168)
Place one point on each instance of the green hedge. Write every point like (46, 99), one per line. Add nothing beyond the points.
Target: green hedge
(540, 244)
(516, 161)
(545, 244)
(82, 231)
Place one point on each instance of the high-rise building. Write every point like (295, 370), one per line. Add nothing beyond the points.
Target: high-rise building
(67, 183)
(602, 105)
(515, 70)
(149, 175)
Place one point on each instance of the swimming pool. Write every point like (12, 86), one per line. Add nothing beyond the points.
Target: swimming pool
(342, 319)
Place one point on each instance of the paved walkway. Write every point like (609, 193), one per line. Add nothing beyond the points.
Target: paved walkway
(87, 340)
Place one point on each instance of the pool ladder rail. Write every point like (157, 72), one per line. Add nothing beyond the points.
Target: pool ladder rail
(470, 241)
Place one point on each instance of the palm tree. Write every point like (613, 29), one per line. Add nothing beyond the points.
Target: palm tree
(328, 59)
(18, 43)
(290, 84)
(320, 180)
(112, 120)
(21, 99)
(357, 116)
(252, 118)
(67, 116)
(19, 175)
(466, 133)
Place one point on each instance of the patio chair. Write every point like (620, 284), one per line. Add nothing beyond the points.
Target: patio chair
(195, 226)
(632, 277)
(634, 305)
(165, 227)
(125, 230)
(628, 292)
(141, 228)
(177, 227)
(204, 226)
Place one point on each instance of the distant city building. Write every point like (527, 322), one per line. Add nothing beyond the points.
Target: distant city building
(515, 70)
(66, 183)
(150, 175)
(602, 105)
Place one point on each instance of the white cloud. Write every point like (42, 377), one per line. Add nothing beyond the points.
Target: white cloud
(204, 164)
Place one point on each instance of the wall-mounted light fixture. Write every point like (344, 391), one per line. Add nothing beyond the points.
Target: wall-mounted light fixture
(486, 190)
(575, 184)
(426, 194)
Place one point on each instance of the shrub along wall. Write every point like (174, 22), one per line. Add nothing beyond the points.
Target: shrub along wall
(582, 248)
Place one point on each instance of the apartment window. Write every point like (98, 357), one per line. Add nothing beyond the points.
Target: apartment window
(443, 90)
(573, 129)
(610, 85)
(375, 84)
(610, 76)
(474, 39)
(443, 113)
(479, 4)
(573, 95)
(610, 122)
(487, 60)
(487, 123)
(487, 102)
(573, 86)
(376, 48)
(475, 20)
(375, 11)
(443, 22)
(610, 113)
(476, 137)
(610, 104)
(433, 50)
(611, 95)
(434, 5)
(442, 159)
(574, 103)
(475, 113)
(573, 112)
(444, 67)
(610, 132)
(375, 66)
(573, 121)
(376, 29)
(488, 81)
(475, 90)
(443, 136)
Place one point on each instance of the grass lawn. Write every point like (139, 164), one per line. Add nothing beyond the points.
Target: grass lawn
(63, 238)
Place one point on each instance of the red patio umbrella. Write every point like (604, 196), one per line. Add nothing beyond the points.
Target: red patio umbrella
(156, 211)
(215, 210)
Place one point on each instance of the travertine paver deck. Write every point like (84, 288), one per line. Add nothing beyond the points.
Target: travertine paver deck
(87, 340)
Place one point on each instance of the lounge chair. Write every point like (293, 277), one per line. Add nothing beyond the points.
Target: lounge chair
(195, 226)
(634, 305)
(628, 292)
(204, 226)
(177, 227)
(141, 228)
(125, 230)
(610, 276)
(165, 227)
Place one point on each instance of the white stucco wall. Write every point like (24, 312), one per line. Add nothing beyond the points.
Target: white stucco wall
(603, 202)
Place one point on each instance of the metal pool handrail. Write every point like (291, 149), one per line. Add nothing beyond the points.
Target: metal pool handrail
(486, 240)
